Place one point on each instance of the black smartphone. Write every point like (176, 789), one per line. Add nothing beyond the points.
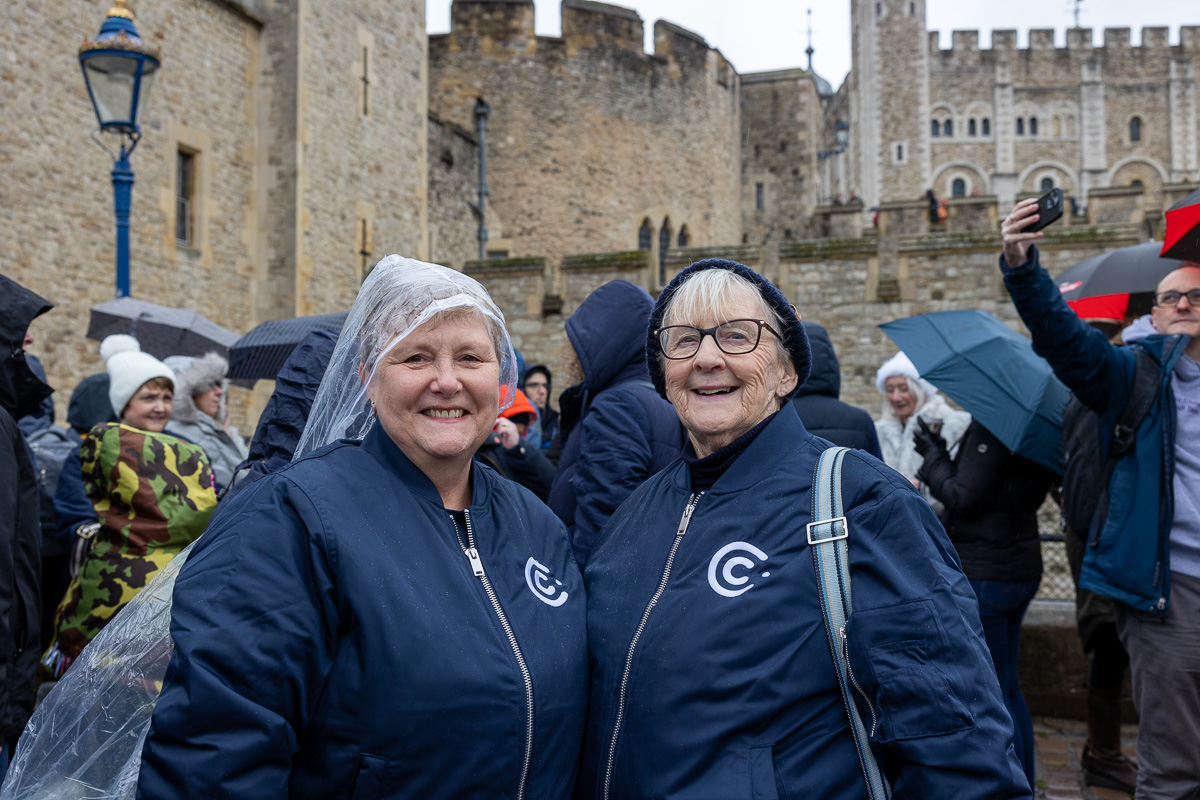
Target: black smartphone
(1050, 209)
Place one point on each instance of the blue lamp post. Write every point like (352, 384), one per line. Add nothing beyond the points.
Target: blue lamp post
(118, 69)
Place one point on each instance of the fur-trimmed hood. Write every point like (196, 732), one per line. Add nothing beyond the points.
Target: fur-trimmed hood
(192, 376)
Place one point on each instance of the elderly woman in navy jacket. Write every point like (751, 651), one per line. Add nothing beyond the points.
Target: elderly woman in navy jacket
(382, 618)
(712, 676)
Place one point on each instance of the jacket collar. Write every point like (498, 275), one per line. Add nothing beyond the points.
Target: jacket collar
(381, 447)
(784, 434)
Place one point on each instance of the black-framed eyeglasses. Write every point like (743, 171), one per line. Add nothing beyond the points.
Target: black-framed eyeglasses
(735, 337)
(1171, 299)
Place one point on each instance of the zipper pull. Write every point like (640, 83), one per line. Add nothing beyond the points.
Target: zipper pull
(687, 514)
(476, 563)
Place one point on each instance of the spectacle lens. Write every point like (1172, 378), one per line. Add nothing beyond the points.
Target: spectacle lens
(736, 337)
(1171, 299)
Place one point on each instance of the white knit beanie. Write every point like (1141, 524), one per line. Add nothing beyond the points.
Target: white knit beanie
(127, 371)
(117, 343)
(900, 364)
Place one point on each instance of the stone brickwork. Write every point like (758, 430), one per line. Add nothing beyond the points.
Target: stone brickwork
(781, 122)
(1006, 120)
(453, 205)
(590, 136)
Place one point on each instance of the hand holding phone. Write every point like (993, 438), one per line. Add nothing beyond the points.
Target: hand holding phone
(1049, 210)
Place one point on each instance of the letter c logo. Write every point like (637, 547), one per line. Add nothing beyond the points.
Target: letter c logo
(721, 577)
(543, 587)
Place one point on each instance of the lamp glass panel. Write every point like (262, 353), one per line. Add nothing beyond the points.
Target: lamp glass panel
(144, 94)
(111, 79)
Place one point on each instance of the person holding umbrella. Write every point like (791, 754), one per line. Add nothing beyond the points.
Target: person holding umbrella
(991, 498)
(1144, 542)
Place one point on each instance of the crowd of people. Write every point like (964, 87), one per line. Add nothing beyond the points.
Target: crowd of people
(421, 579)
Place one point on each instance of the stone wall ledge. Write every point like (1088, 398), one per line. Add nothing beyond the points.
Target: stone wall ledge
(504, 266)
(624, 259)
(750, 254)
(812, 249)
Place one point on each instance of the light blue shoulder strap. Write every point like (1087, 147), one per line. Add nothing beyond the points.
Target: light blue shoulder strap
(827, 535)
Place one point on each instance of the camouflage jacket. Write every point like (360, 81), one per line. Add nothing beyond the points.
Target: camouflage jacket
(153, 494)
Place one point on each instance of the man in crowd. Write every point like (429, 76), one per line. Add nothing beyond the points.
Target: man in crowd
(1144, 542)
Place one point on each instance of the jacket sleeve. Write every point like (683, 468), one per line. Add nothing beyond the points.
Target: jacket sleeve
(968, 484)
(1099, 373)
(615, 456)
(71, 503)
(929, 696)
(254, 623)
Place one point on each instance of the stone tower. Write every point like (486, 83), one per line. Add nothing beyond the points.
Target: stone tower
(889, 100)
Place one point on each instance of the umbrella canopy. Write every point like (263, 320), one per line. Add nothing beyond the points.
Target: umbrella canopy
(1137, 268)
(1182, 239)
(1109, 307)
(162, 331)
(262, 351)
(991, 371)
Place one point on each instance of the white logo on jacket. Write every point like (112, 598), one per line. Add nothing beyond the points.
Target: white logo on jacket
(722, 578)
(538, 578)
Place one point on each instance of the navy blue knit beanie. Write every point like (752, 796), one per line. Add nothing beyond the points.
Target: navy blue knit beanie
(794, 337)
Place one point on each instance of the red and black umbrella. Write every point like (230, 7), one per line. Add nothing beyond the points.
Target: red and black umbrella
(1183, 229)
(1137, 268)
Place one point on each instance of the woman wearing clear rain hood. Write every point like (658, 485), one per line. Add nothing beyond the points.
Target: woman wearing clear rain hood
(384, 617)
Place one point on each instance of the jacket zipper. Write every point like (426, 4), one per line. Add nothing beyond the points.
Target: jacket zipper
(850, 671)
(472, 555)
(684, 521)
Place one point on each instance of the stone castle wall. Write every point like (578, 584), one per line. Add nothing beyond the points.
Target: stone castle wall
(589, 136)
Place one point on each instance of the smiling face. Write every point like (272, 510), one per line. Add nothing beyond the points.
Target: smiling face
(1182, 317)
(901, 398)
(718, 396)
(437, 392)
(150, 407)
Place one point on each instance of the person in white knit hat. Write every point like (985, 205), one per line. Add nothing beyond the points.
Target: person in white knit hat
(141, 389)
(907, 398)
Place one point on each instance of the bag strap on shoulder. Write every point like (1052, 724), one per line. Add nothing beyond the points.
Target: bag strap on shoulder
(1141, 398)
(827, 537)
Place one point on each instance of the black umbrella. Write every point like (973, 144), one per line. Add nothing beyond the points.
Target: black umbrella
(162, 331)
(1133, 269)
(1183, 229)
(262, 351)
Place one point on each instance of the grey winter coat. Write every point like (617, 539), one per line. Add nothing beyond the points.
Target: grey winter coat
(224, 450)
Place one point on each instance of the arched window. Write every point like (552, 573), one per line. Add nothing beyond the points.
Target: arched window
(664, 241)
(948, 128)
(1137, 184)
(1047, 184)
(986, 125)
(958, 188)
(1033, 126)
(970, 127)
(1020, 127)
(645, 235)
(900, 153)
(682, 240)
(1135, 129)
(934, 128)
(912, 9)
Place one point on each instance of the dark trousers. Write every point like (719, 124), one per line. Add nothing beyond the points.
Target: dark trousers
(1002, 606)
(1164, 657)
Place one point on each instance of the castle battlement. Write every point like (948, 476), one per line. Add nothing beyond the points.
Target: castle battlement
(1155, 41)
(587, 23)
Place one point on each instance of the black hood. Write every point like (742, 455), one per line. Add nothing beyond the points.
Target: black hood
(21, 390)
(826, 374)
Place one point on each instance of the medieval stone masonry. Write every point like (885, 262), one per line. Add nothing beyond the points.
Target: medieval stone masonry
(321, 136)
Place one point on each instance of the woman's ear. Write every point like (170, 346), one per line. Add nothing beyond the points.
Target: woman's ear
(788, 380)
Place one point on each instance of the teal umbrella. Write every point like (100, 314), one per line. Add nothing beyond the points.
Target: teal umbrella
(992, 372)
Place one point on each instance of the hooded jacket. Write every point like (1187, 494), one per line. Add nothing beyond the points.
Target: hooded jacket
(817, 400)
(1128, 548)
(332, 639)
(21, 393)
(625, 431)
(282, 421)
(712, 674)
(192, 376)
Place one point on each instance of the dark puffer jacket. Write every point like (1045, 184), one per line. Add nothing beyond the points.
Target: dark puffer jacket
(625, 431)
(991, 499)
(818, 405)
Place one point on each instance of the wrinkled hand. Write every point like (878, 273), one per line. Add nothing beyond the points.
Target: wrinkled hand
(1016, 242)
(925, 440)
(507, 431)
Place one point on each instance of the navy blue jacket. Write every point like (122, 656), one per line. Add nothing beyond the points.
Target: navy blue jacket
(818, 405)
(626, 431)
(730, 689)
(332, 640)
(1127, 557)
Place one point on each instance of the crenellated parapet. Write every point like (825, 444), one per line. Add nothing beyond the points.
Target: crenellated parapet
(1155, 43)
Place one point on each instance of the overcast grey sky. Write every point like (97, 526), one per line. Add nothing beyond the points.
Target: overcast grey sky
(759, 35)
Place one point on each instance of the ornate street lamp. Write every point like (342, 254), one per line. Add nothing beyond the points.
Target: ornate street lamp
(118, 69)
